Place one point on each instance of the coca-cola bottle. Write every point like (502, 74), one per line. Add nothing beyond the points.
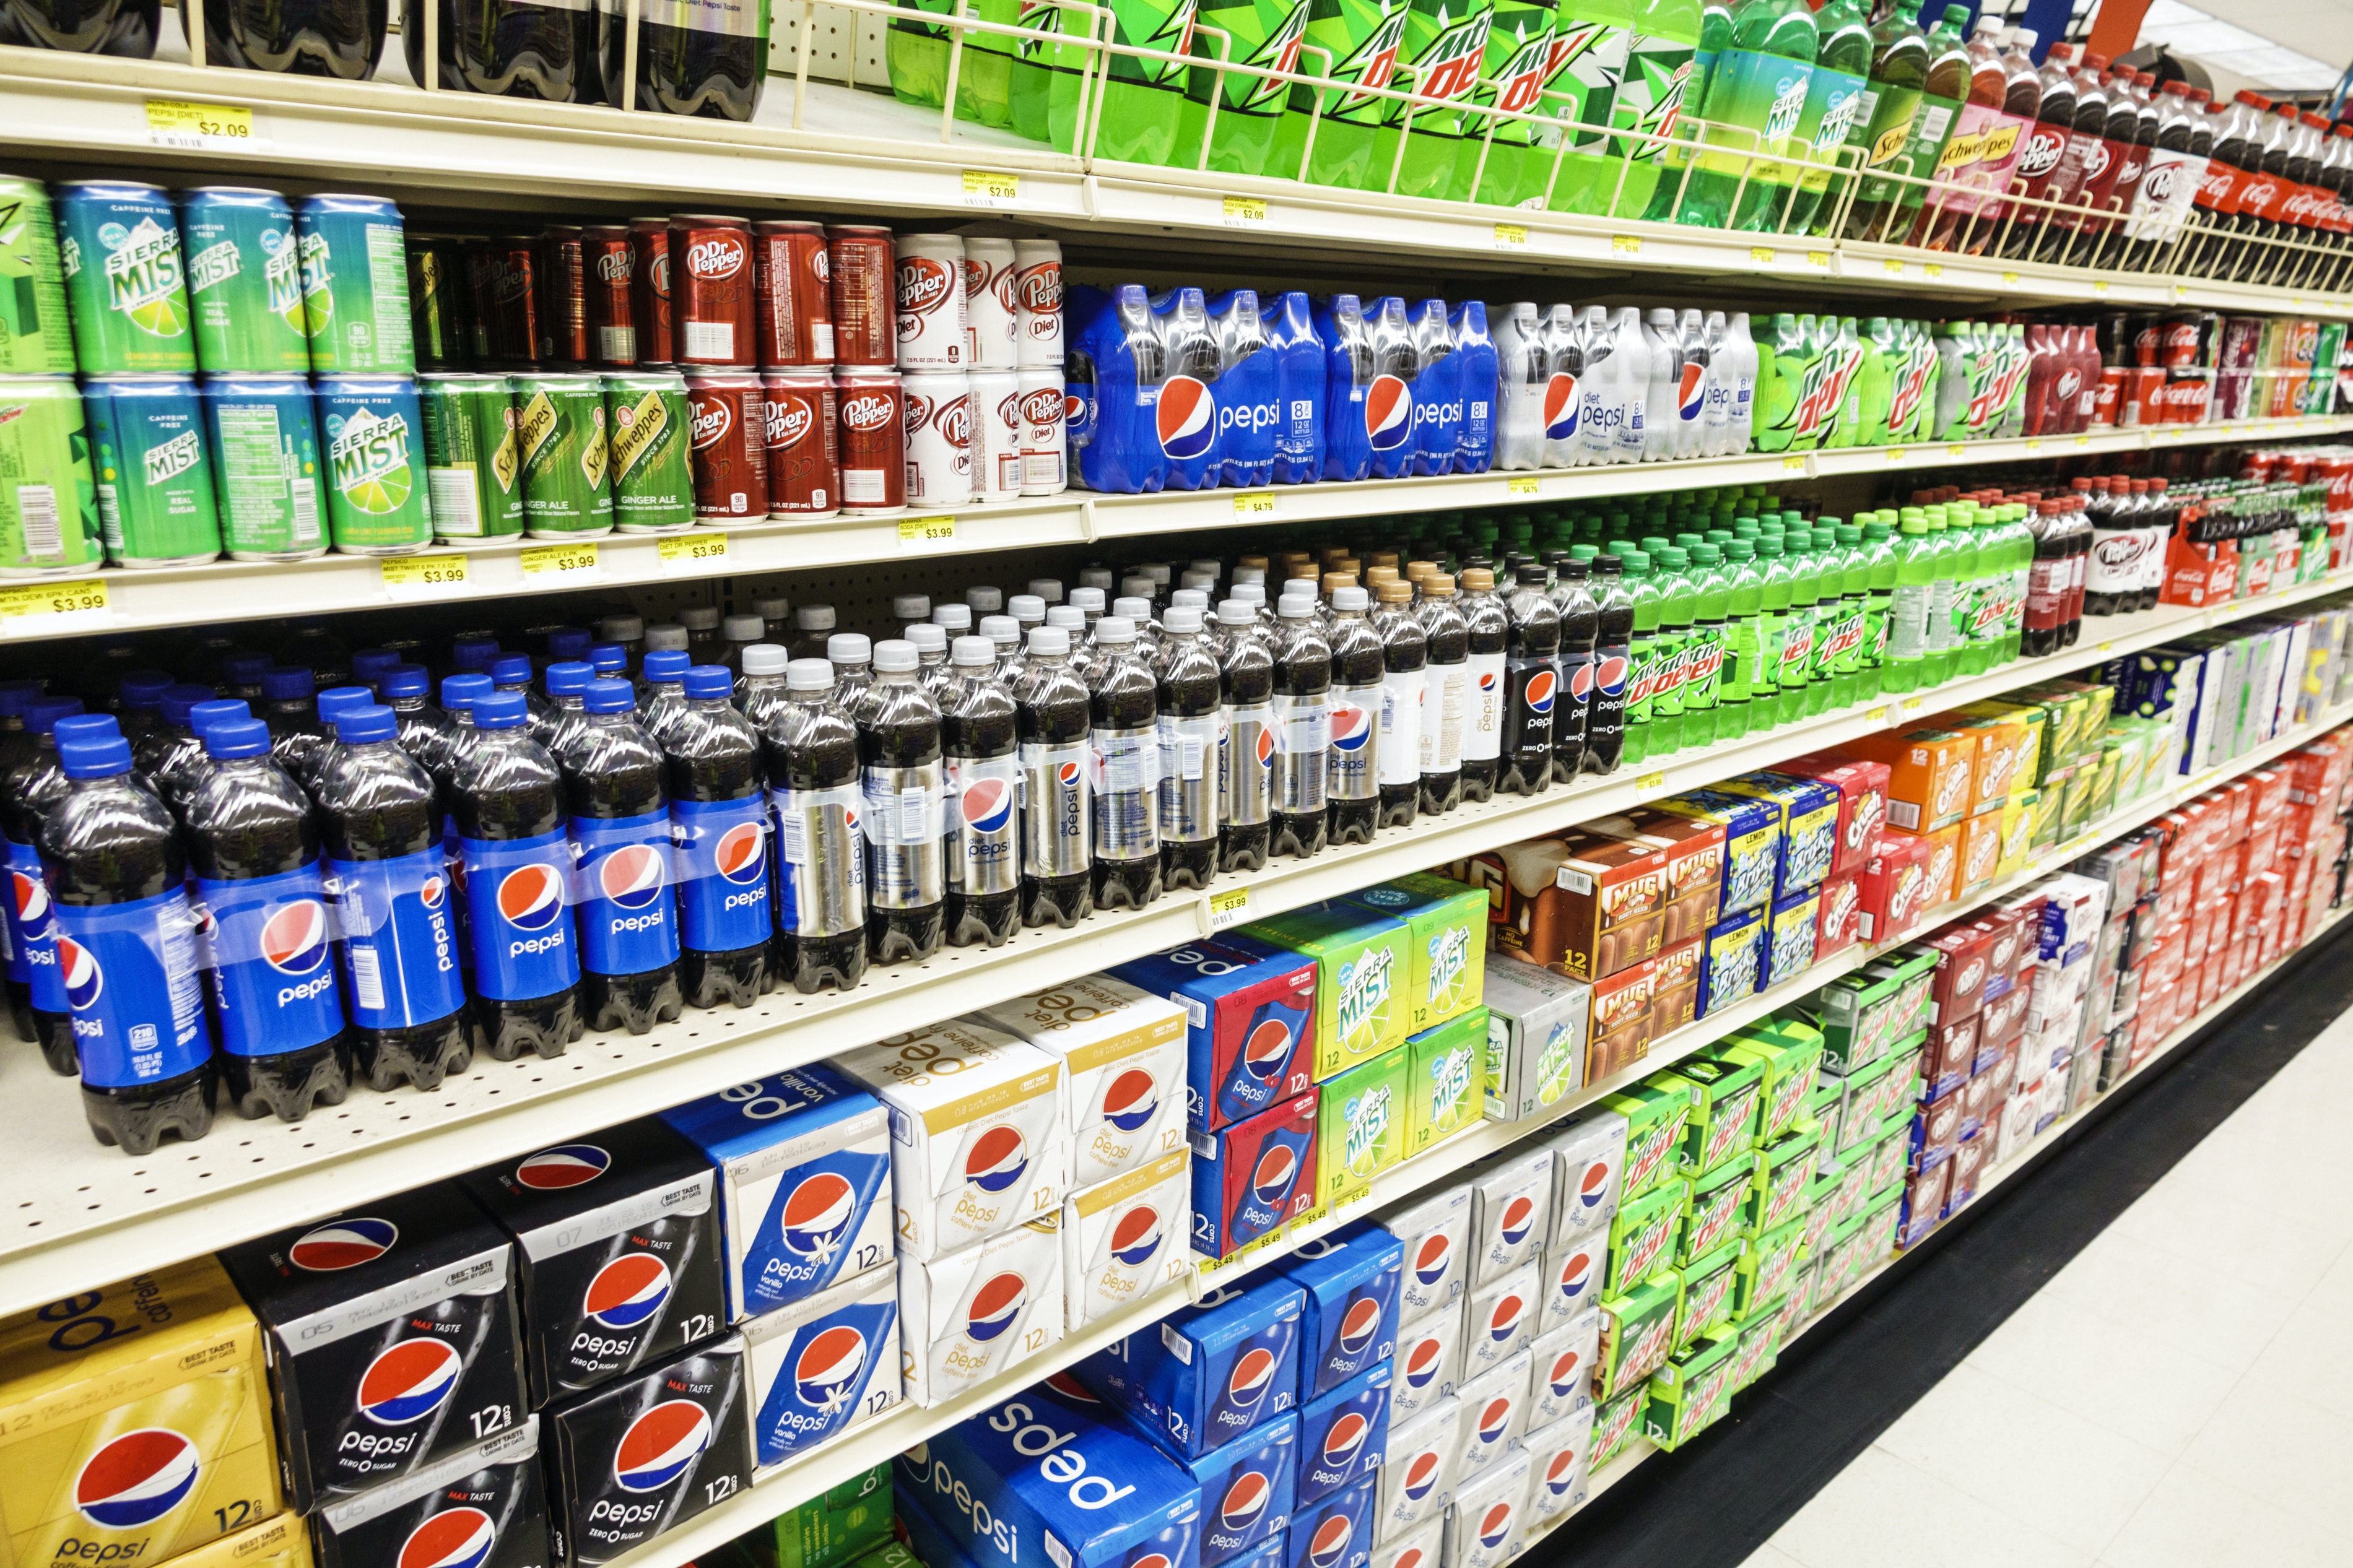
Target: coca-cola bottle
(2259, 197)
(2228, 169)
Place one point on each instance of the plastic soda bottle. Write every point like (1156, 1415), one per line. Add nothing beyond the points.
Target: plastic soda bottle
(719, 833)
(1755, 96)
(1643, 656)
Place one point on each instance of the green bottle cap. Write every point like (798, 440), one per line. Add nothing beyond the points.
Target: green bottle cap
(1741, 549)
(1638, 565)
(1708, 554)
(1825, 521)
(1848, 533)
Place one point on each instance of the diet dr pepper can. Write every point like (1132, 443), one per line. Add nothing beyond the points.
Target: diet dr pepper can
(154, 487)
(356, 285)
(125, 278)
(245, 281)
(375, 437)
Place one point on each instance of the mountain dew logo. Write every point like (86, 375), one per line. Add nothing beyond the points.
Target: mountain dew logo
(1450, 965)
(1993, 611)
(1258, 95)
(1650, 96)
(1173, 32)
(1844, 641)
(1819, 394)
(1520, 79)
(368, 459)
(143, 277)
(1364, 994)
(1911, 384)
(1368, 1129)
(1371, 65)
(1447, 68)
(1797, 652)
(318, 276)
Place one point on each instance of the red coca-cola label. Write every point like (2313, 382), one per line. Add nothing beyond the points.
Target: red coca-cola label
(719, 256)
(867, 411)
(2258, 193)
(714, 420)
(924, 284)
(2218, 188)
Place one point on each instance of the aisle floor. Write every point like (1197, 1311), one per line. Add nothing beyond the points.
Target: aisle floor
(2180, 1395)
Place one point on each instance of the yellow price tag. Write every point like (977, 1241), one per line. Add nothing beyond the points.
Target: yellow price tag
(1894, 267)
(1933, 269)
(83, 598)
(1626, 243)
(1521, 485)
(203, 127)
(1876, 715)
(1956, 450)
(1254, 503)
(2034, 445)
(2099, 285)
(2107, 647)
(1511, 235)
(1912, 705)
(1898, 454)
(560, 561)
(2082, 443)
(1222, 908)
(686, 548)
(989, 188)
(2009, 280)
(1652, 781)
(413, 573)
(1761, 254)
(1793, 465)
(1245, 211)
(1817, 259)
(2181, 290)
(927, 530)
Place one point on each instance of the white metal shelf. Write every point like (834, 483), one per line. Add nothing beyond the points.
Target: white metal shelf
(226, 590)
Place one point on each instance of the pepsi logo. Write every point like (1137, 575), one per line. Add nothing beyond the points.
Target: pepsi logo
(1593, 1187)
(998, 1159)
(1245, 1500)
(294, 937)
(926, 284)
(1187, 417)
(1071, 1388)
(1271, 1181)
(1411, 1557)
(626, 1292)
(1495, 1525)
(571, 1165)
(1361, 1324)
(988, 805)
(1519, 1215)
(1422, 1362)
(825, 1373)
(1561, 1474)
(1352, 727)
(818, 1214)
(1265, 748)
(1329, 1544)
(1575, 1273)
(409, 1381)
(1494, 1421)
(869, 410)
(740, 853)
(661, 1446)
(1389, 413)
(1067, 774)
(631, 876)
(32, 905)
(709, 417)
(1152, 1559)
(996, 1305)
(1580, 683)
(342, 1244)
(1132, 1100)
(1692, 395)
(1345, 1438)
(431, 892)
(1486, 682)
(1268, 1050)
(1253, 1371)
(1136, 1236)
(531, 897)
(1610, 673)
(1560, 407)
(454, 1538)
(1540, 691)
(1432, 1256)
(1504, 1322)
(1564, 1376)
(136, 1479)
(1421, 1474)
(85, 981)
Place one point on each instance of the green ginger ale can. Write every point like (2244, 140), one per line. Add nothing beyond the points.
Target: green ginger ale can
(154, 485)
(125, 281)
(567, 481)
(245, 281)
(36, 338)
(375, 436)
(653, 485)
(474, 466)
(48, 505)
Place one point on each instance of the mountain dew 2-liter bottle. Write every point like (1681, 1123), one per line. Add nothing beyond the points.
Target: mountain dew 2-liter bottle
(1363, 37)
(1591, 41)
(1445, 45)
(1660, 79)
(1521, 46)
(1143, 100)
(1266, 34)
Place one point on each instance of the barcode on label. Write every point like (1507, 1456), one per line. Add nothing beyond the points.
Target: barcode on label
(457, 507)
(711, 343)
(1904, 814)
(619, 344)
(44, 538)
(306, 511)
(863, 487)
(367, 976)
(1193, 752)
(795, 836)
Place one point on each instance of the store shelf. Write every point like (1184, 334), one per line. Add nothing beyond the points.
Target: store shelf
(228, 591)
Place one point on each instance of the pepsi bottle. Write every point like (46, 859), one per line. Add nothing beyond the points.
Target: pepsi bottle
(810, 749)
(1340, 327)
(1531, 684)
(1352, 776)
(166, 748)
(1405, 657)
(139, 706)
(424, 727)
(904, 775)
(980, 733)
(719, 833)
(1476, 373)
(1250, 422)
(1125, 711)
(513, 672)
(661, 694)
(1605, 719)
(1581, 629)
(1297, 353)
(1301, 726)
(296, 736)
(27, 794)
(625, 913)
(388, 883)
(1112, 375)
(1489, 626)
(506, 796)
(1191, 699)
(1054, 716)
(1437, 390)
(1246, 759)
(555, 725)
(126, 946)
(1184, 415)
(1445, 693)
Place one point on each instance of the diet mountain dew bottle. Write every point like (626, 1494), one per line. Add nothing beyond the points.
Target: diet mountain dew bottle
(1755, 96)
(375, 437)
(48, 507)
(36, 337)
(125, 281)
(1658, 79)
(916, 56)
(1364, 39)
(1445, 44)
(1266, 34)
(356, 285)
(1590, 42)
(473, 466)
(245, 281)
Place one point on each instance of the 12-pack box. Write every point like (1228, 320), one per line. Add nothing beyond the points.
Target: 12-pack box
(1536, 1023)
(1250, 1022)
(1361, 971)
(1446, 944)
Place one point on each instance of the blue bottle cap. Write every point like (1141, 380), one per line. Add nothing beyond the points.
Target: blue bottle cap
(178, 702)
(405, 681)
(287, 683)
(709, 680)
(510, 669)
(236, 737)
(569, 642)
(205, 715)
(609, 658)
(41, 717)
(371, 722)
(603, 697)
(78, 727)
(369, 664)
(104, 757)
(337, 700)
(16, 696)
(499, 710)
(473, 655)
(143, 689)
(463, 691)
(668, 664)
(245, 669)
(569, 679)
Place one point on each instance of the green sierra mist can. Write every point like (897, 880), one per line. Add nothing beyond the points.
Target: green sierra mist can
(245, 281)
(154, 485)
(376, 459)
(356, 285)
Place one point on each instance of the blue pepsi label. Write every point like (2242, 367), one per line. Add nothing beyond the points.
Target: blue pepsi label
(828, 1218)
(518, 894)
(1342, 1436)
(1253, 1176)
(400, 942)
(1246, 1493)
(269, 955)
(825, 1374)
(32, 930)
(1336, 1533)
(621, 880)
(722, 862)
(128, 974)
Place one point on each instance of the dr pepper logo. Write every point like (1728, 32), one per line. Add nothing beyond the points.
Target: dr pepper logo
(714, 419)
(924, 284)
(788, 420)
(869, 411)
(722, 255)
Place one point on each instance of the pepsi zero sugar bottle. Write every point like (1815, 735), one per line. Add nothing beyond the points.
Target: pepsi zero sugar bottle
(126, 947)
(1353, 772)
(1054, 715)
(904, 777)
(30, 790)
(508, 801)
(1490, 632)
(811, 753)
(1581, 629)
(980, 735)
(1127, 738)
(1405, 657)
(1605, 719)
(1532, 686)
(1302, 724)
(1190, 699)
(1245, 760)
(719, 828)
(626, 919)
(277, 1011)
(387, 877)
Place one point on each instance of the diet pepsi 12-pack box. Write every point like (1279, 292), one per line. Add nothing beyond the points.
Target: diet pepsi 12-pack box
(823, 1364)
(1124, 1073)
(1435, 1230)
(982, 1309)
(1125, 1238)
(1428, 1363)
(1254, 1176)
(1251, 1017)
(1351, 1317)
(1417, 1469)
(1209, 1373)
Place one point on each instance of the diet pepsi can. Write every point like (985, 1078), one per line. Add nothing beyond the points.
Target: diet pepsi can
(1500, 1320)
(481, 1507)
(643, 1456)
(822, 1365)
(1435, 1231)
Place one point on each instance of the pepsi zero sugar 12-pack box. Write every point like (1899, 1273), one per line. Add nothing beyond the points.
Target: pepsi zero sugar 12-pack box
(1535, 1039)
(1123, 1051)
(804, 1163)
(483, 1505)
(1350, 1316)
(823, 1364)
(1434, 1229)
(1445, 1079)
(1361, 973)
(1343, 1434)
(1360, 1124)
(982, 1309)
(1428, 1363)
(1127, 1237)
(641, 1456)
(1208, 1374)
(392, 1337)
(1418, 1468)
(1249, 1490)
(618, 1251)
(1446, 947)
(978, 1144)
(1250, 1178)
(1250, 1022)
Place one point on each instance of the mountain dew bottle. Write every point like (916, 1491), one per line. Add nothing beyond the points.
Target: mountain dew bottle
(1970, 591)
(1587, 66)
(1834, 99)
(915, 53)
(1641, 654)
(1142, 98)
(1799, 632)
(2021, 568)
(1712, 612)
(1678, 609)
(1879, 603)
(1363, 37)
(1868, 395)
(1445, 44)
(1755, 96)
(1766, 709)
(1735, 712)
(1659, 79)
(1854, 617)
(1501, 170)
(1844, 425)
(1943, 593)
(1266, 34)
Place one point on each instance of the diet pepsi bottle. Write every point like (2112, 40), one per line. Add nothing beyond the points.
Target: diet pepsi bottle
(719, 840)
(1298, 355)
(1302, 724)
(1405, 656)
(810, 747)
(903, 778)
(1125, 715)
(507, 798)
(1523, 367)
(1246, 759)
(1532, 683)
(1250, 422)
(1489, 630)
(1353, 776)
(265, 938)
(126, 948)
(1054, 715)
(30, 790)
(1445, 693)
(980, 733)
(1605, 720)
(1190, 701)
(388, 881)
(1580, 628)
(620, 825)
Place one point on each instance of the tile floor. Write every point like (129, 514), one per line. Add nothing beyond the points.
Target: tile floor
(2180, 1396)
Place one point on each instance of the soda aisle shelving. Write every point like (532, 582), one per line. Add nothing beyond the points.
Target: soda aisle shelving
(86, 1213)
(225, 591)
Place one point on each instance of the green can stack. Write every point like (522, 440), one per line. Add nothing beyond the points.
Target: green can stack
(473, 466)
(567, 483)
(36, 338)
(653, 489)
(48, 505)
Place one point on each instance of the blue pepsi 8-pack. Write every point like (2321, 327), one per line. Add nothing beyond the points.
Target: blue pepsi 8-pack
(1209, 1374)
(1251, 1013)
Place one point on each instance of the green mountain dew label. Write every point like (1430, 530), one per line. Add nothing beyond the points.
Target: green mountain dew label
(1908, 386)
(1447, 48)
(1266, 34)
(1363, 1006)
(1588, 65)
(1519, 54)
(1822, 391)
(368, 463)
(1365, 38)
(1650, 99)
(1996, 373)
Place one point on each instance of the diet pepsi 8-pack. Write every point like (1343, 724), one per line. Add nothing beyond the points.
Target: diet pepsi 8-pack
(1350, 1316)
(1209, 1373)
(1249, 1015)
(823, 1364)
(1123, 1069)
(1434, 1229)
(391, 1337)
(617, 1252)
(978, 1144)
(1128, 1238)
(481, 1507)
(1249, 1490)
(1343, 1434)
(805, 1183)
(980, 1311)
(1253, 1176)
(634, 1459)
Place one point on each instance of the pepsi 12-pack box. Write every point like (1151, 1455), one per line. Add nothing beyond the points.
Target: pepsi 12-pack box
(1251, 1012)
(1343, 1434)
(1209, 1373)
(1249, 1489)
(1252, 1178)
(1350, 1320)
(1434, 1228)
(823, 1364)
(1336, 1533)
